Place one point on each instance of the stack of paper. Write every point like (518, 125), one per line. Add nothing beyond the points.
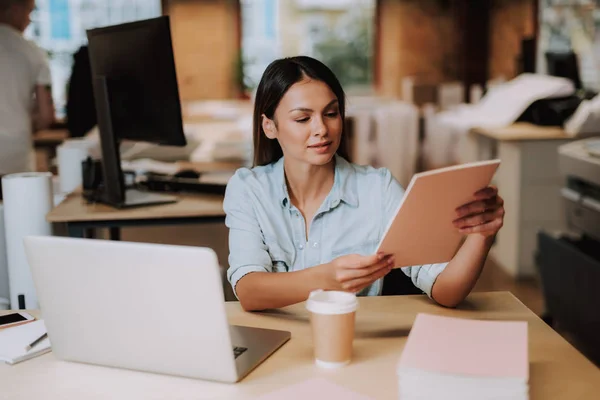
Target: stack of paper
(223, 142)
(585, 120)
(14, 341)
(146, 165)
(464, 359)
(446, 135)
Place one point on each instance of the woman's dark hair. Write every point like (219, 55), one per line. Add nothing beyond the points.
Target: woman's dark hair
(279, 76)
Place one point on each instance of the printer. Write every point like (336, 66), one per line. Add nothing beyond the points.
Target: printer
(579, 164)
(569, 262)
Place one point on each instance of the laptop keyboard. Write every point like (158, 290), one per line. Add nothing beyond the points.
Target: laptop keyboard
(237, 351)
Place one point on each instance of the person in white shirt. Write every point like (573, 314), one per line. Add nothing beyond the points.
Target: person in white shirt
(25, 95)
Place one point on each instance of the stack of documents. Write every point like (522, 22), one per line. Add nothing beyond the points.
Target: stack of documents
(14, 342)
(464, 359)
(585, 120)
(446, 133)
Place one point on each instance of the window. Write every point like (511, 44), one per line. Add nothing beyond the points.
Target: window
(572, 25)
(58, 26)
(338, 32)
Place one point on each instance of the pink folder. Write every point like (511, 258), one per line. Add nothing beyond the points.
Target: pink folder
(422, 231)
(466, 347)
(316, 388)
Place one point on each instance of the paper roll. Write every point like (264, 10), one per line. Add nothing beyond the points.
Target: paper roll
(4, 292)
(70, 155)
(27, 199)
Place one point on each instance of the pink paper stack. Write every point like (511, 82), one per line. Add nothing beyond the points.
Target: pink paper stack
(454, 358)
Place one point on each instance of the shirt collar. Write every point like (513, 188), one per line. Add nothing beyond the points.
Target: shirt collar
(344, 184)
(11, 30)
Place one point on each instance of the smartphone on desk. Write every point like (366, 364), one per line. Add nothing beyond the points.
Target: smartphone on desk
(15, 319)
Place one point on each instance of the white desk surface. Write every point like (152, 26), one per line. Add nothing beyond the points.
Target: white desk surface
(522, 131)
(557, 370)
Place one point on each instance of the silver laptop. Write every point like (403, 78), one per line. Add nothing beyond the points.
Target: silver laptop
(147, 307)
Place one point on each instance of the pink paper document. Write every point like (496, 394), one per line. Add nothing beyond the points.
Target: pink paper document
(421, 231)
(312, 389)
(457, 358)
(467, 347)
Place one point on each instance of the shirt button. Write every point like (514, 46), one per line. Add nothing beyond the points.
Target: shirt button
(315, 244)
(300, 246)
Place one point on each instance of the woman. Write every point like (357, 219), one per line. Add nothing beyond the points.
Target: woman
(304, 218)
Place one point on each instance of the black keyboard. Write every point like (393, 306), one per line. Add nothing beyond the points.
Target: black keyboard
(237, 351)
(155, 183)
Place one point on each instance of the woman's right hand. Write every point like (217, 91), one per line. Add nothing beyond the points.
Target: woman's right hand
(354, 272)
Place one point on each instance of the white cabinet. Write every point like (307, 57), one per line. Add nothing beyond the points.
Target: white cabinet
(529, 182)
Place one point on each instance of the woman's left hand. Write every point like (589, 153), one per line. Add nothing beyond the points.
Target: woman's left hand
(484, 215)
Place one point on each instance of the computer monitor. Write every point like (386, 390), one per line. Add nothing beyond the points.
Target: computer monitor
(137, 98)
(527, 56)
(564, 65)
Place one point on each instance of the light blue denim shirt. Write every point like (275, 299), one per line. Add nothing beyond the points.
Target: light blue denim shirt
(267, 232)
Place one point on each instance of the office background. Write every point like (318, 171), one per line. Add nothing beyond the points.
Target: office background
(383, 51)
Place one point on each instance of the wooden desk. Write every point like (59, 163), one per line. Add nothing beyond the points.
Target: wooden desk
(523, 131)
(45, 143)
(557, 370)
(79, 216)
(50, 137)
(530, 183)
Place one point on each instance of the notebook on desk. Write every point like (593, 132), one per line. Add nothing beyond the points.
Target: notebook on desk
(422, 231)
(14, 341)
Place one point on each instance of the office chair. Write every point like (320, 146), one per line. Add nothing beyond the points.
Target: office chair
(397, 283)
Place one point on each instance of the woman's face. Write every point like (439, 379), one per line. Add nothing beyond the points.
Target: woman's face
(307, 123)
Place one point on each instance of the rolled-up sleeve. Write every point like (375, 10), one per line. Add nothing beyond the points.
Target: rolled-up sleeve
(43, 76)
(422, 276)
(247, 250)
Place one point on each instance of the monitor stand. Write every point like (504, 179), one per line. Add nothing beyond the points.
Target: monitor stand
(114, 191)
(133, 198)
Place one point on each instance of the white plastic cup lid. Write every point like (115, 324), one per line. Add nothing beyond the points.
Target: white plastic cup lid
(331, 302)
(18, 175)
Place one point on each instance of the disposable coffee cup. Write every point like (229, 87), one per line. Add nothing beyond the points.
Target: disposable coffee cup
(332, 320)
